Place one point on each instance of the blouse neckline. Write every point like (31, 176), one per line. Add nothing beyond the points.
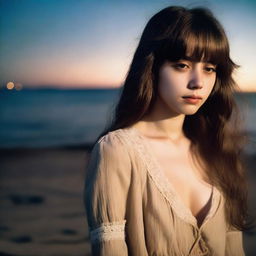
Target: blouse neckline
(138, 142)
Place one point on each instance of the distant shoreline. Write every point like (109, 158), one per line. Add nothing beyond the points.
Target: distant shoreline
(89, 88)
(86, 147)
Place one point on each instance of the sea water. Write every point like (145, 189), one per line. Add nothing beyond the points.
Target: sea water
(52, 117)
(48, 117)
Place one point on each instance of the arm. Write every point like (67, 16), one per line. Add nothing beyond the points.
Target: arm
(106, 191)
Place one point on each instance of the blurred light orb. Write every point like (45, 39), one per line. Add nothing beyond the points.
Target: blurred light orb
(18, 86)
(10, 85)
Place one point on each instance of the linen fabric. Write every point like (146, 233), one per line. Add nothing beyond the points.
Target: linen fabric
(132, 208)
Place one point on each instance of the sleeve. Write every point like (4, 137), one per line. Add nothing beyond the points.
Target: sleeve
(105, 196)
(234, 243)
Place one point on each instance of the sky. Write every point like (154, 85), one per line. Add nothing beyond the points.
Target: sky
(88, 43)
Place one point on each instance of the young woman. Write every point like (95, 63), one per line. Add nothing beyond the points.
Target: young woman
(166, 179)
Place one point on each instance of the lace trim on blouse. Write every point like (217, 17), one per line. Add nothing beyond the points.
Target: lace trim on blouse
(134, 139)
(108, 231)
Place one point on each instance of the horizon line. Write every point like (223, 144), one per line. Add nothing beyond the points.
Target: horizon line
(85, 87)
(39, 88)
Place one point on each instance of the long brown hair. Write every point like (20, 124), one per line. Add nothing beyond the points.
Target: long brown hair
(170, 35)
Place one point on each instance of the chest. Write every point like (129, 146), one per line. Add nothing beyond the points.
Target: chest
(186, 177)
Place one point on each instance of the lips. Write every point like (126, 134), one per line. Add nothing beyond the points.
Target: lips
(192, 99)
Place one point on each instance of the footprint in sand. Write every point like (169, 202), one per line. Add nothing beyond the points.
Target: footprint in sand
(26, 199)
(22, 239)
(4, 229)
(68, 231)
(6, 254)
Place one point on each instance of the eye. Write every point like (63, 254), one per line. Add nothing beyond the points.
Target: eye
(210, 69)
(181, 66)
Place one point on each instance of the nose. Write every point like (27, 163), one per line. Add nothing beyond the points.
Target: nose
(196, 79)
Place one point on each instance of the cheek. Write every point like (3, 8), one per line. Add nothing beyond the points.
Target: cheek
(210, 84)
(169, 85)
(209, 88)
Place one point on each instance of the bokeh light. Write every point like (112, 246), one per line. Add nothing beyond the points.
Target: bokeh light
(10, 85)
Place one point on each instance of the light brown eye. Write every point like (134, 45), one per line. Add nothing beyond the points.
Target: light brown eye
(210, 69)
(181, 66)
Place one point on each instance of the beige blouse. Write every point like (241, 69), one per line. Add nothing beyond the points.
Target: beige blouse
(132, 208)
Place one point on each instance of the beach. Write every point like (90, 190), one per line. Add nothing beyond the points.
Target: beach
(42, 210)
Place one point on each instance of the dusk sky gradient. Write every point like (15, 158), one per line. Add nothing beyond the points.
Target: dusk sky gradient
(85, 43)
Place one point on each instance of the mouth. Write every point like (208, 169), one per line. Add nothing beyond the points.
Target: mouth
(192, 99)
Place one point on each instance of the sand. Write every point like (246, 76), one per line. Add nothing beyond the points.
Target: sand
(42, 211)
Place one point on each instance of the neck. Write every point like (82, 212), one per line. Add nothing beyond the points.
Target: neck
(160, 122)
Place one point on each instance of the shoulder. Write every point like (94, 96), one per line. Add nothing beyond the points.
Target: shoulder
(114, 155)
(114, 138)
(113, 141)
(112, 146)
(109, 162)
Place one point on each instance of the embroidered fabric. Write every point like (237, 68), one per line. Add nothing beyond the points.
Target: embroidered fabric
(108, 231)
(134, 139)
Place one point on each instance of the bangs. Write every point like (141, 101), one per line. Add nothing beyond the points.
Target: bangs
(197, 40)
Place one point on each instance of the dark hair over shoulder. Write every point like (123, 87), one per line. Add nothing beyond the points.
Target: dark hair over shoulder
(170, 35)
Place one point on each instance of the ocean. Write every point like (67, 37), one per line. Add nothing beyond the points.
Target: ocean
(32, 118)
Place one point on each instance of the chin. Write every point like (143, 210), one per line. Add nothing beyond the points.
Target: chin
(190, 111)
